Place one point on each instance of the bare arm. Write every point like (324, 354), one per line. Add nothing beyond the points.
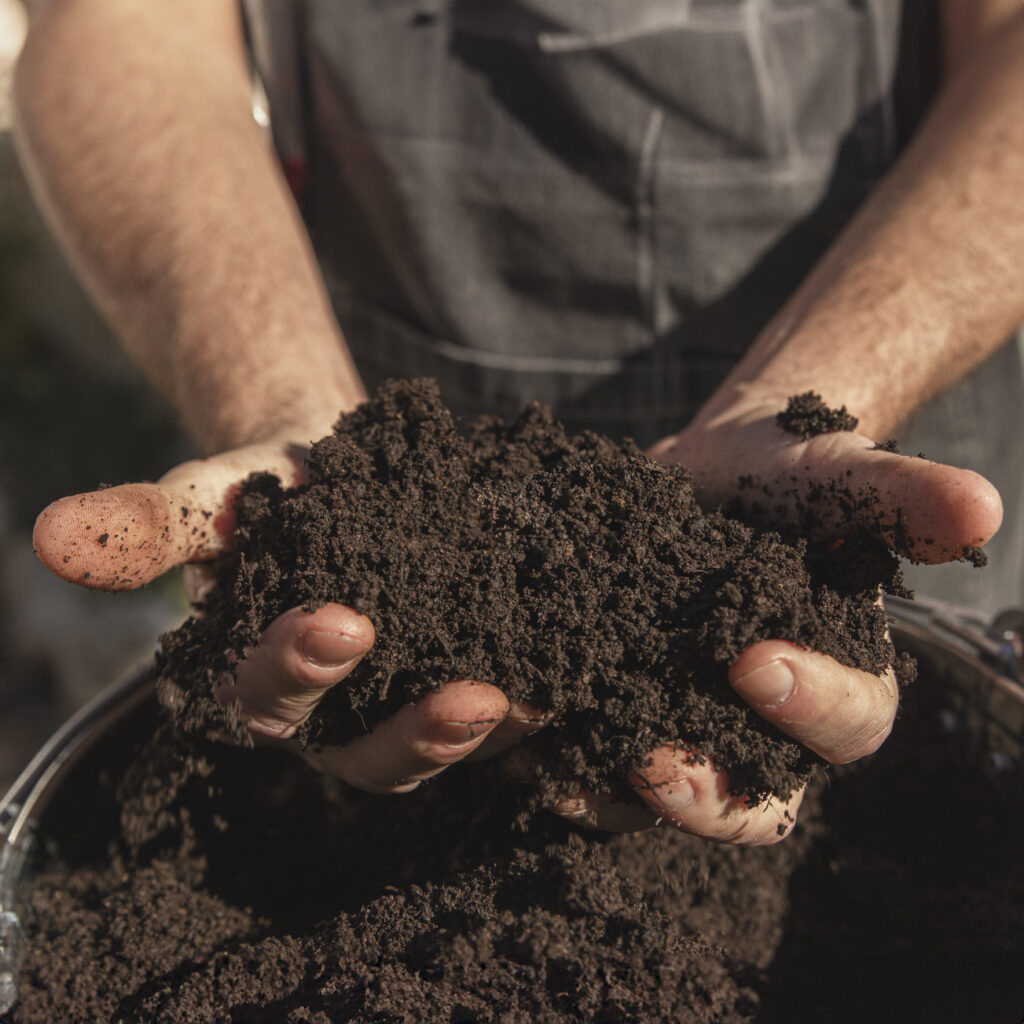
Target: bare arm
(922, 285)
(144, 155)
(925, 282)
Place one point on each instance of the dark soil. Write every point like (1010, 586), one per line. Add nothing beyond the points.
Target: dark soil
(576, 573)
(200, 883)
(807, 416)
(248, 888)
(253, 890)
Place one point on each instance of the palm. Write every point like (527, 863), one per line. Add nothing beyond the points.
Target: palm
(927, 511)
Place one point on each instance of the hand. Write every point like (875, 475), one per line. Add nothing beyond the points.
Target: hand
(839, 712)
(922, 509)
(121, 538)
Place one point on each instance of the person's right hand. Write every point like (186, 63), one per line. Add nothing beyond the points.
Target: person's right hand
(121, 538)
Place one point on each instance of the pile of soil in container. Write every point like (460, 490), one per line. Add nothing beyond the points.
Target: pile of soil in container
(237, 885)
(241, 886)
(251, 889)
(576, 573)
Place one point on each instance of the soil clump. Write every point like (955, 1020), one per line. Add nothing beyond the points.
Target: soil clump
(807, 416)
(575, 573)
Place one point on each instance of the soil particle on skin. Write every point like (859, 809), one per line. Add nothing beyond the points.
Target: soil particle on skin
(890, 445)
(575, 573)
(807, 416)
(975, 556)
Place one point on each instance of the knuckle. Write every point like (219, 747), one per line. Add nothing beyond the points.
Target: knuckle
(867, 741)
(368, 784)
(268, 725)
(859, 722)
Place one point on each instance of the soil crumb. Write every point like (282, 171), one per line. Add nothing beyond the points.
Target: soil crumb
(975, 556)
(575, 573)
(890, 445)
(807, 416)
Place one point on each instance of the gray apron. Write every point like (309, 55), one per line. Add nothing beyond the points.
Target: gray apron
(593, 203)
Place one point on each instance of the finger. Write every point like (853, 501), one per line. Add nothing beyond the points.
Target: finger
(300, 656)
(521, 721)
(923, 509)
(121, 538)
(200, 580)
(694, 797)
(582, 807)
(418, 741)
(839, 712)
(604, 813)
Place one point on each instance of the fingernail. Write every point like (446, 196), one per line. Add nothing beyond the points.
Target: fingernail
(768, 686)
(331, 650)
(675, 796)
(462, 734)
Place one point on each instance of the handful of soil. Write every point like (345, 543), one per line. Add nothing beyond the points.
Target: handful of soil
(572, 571)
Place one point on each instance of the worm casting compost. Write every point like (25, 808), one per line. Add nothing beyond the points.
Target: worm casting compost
(195, 882)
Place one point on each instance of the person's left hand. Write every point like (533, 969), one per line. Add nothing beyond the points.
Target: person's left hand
(927, 511)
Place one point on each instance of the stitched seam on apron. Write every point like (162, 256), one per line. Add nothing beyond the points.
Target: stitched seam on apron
(704, 172)
(570, 42)
(351, 309)
(527, 364)
(646, 275)
(777, 114)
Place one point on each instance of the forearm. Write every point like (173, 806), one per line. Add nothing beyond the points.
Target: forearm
(925, 281)
(144, 156)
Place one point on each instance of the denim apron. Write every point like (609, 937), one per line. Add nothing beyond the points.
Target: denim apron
(596, 204)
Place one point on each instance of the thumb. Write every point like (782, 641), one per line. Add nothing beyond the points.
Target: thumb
(300, 656)
(925, 510)
(121, 538)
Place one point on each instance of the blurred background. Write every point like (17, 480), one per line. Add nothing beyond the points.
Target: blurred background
(73, 414)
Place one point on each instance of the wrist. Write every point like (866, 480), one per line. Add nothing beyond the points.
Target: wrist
(297, 397)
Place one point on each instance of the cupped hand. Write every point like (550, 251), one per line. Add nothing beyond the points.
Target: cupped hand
(120, 538)
(840, 713)
(924, 510)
